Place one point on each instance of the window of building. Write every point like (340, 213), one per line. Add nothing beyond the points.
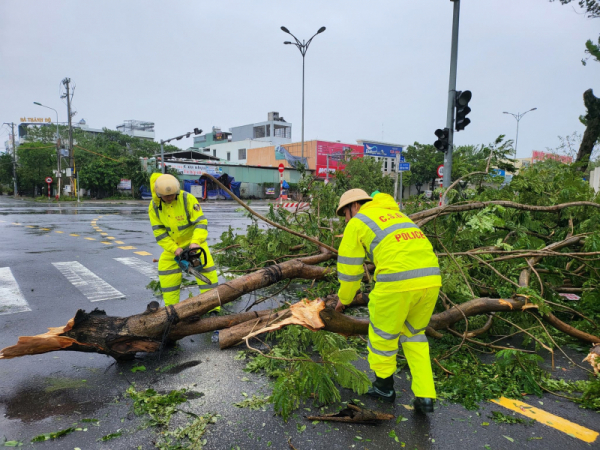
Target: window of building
(259, 132)
(268, 130)
(283, 132)
(228, 156)
(215, 152)
(241, 153)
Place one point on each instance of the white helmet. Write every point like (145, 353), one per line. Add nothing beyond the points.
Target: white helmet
(166, 185)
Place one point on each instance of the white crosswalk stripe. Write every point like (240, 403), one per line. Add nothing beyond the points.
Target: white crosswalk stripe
(11, 298)
(88, 283)
(143, 267)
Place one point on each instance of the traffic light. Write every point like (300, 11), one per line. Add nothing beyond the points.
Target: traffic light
(462, 109)
(443, 139)
(197, 131)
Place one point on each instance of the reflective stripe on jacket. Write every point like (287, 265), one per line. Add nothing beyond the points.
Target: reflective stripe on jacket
(179, 223)
(403, 256)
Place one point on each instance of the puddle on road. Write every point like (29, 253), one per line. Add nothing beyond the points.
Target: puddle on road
(54, 397)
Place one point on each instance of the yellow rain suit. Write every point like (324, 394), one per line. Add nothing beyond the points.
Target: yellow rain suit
(177, 225)
(407, 276)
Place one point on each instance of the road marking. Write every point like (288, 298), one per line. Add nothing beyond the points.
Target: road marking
(109, 237)
(543, 417)
(119, 242)
(73, 234)
(88, 283)
(128, 247)
(30, 226)
(90, 239)
(106, 242)
(16, 223)
(104, 234)
(59, 232)
(143, 267)
(45, 229)
(11, 298)
(143, 253)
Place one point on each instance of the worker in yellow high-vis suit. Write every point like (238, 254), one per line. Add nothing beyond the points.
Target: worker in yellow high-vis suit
(177, 223)
(407, 282)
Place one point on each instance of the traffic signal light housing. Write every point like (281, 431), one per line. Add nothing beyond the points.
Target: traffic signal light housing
(462, 109)
(443, 141)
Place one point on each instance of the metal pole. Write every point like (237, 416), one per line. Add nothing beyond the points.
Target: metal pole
(327, 174)
(396, 182)
(401, 189)
(14, 160)
(303, 104)
(162, 156)
(451, 96)
(77, 187)
(66, 82)
(517, 137)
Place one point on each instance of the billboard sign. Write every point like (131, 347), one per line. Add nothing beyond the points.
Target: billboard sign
(124, 184)
(334, 152)
(381, 150)
(403, 167)
(195, 169)
(538, 156)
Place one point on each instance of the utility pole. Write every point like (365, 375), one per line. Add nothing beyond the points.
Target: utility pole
(12, 124)
(451, 96)
(66, 82)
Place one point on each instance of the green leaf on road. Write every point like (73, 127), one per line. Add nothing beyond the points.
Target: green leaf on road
(509, 438)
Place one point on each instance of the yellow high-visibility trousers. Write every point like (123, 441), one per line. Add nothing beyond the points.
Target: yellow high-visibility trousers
(402, 316)
(170, 276)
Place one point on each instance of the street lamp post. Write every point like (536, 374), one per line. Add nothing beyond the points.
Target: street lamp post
(518, 117)
(177, 138)
(303, 47)
(57, 146)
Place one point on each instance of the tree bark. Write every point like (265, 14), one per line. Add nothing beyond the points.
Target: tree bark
(592, 130)
(123, 337)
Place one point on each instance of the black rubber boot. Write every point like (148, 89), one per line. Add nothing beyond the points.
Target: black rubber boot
(383, 388)
(423, 405)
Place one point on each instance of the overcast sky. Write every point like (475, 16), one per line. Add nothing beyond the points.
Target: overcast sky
(379, 71)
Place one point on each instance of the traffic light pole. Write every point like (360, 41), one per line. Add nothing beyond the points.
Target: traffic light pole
(451, 96)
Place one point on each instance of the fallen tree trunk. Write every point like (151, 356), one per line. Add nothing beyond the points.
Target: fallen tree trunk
(123, 337)
(351, 326)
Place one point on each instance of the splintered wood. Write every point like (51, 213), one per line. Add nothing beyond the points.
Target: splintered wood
(42, 343)
(594, 358)
(304, 313)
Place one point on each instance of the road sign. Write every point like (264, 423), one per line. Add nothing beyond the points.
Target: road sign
(401, 158)
(440, 171)
(281, 167)
(403, 167)
(49, 180)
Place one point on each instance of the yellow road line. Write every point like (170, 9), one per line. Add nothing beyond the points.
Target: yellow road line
(119, 242)
(104, 242)
(109, 237)
(45, 229)
(59, 232)
(16, 223)
(73, 234)
(128, 247)
(143, 253)
(90, 239)
(543, 417)
(104, 234)
(30, 226)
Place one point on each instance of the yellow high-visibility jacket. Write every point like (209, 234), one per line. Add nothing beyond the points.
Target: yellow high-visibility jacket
(179, 223)
(403, 256)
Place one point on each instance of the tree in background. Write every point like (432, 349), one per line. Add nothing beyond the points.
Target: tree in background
(6, 170)
(424, 160)
(35, 162)
(592, 11)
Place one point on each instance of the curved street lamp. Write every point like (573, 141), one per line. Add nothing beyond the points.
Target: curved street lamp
(518, 117)
(303, 47)
(57, 146)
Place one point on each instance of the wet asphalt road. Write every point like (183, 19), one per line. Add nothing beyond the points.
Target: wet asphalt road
(46, 393)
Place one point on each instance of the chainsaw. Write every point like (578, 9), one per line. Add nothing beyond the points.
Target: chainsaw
(192, 260)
